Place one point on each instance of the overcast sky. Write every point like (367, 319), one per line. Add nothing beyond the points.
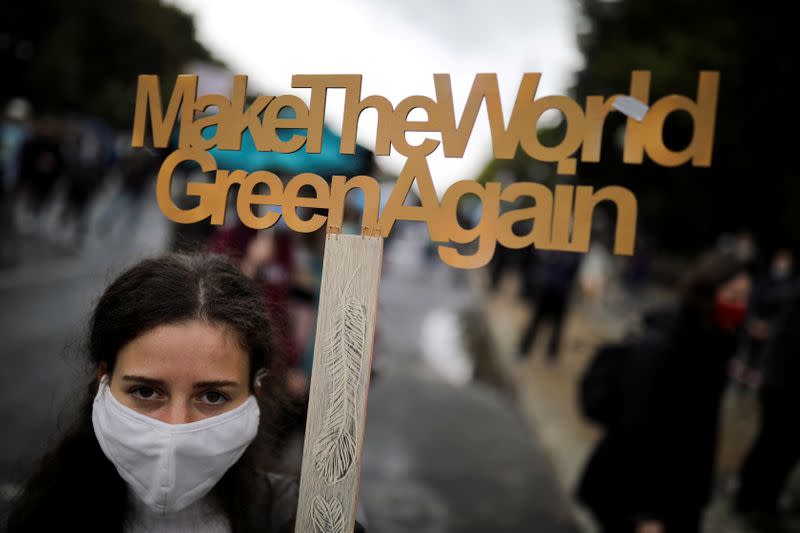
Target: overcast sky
(397, 46)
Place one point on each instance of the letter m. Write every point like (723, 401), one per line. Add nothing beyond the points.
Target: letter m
(148, 97)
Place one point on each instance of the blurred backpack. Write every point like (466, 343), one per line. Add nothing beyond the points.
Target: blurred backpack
(600, 389)
(600, 386)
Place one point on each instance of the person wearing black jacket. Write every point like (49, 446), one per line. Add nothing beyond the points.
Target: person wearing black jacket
(653, 469)
(776, 450)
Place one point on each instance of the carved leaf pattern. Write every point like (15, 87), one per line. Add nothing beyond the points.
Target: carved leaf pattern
(335, 448)
(327, 515)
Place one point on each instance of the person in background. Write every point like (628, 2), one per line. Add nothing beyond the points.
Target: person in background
(267, 258)
(13, 132)
(41, 166)
(776, 450)
(554, 274)
(89, 153)
(769, 300)
(137, 169)
(652, 472)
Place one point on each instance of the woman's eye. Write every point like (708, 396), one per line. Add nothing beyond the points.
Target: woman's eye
(144, 393)
(214, 398)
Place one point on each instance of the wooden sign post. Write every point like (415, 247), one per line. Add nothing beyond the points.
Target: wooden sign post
(334, 439)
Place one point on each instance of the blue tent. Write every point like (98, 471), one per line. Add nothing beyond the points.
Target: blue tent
(326, 163)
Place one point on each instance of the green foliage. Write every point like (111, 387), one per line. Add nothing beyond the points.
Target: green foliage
(751, 183)
(84, 55)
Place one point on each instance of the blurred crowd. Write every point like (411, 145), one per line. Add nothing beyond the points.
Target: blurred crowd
(657, 392)
(53, 168)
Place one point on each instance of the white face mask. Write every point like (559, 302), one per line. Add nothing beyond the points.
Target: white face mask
(170, 466)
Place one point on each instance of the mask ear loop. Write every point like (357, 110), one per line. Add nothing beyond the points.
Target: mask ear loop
(261, 373)
(102, 383)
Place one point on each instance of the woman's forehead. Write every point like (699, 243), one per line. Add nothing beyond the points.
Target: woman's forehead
(192, 350)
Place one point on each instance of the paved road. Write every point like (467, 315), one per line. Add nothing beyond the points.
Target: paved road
(444, 458)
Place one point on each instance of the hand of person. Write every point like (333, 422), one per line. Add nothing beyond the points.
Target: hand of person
(650, 526)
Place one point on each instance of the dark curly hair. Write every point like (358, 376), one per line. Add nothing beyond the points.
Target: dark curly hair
(75, 485)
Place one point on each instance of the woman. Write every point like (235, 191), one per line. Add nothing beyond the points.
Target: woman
(174, 433)
(653, 470)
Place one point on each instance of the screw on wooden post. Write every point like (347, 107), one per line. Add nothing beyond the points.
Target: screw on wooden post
(370, 231)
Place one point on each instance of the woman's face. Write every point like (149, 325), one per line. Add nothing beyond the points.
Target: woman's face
(180, 373)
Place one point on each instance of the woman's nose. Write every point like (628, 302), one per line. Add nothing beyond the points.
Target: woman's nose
(177, 412)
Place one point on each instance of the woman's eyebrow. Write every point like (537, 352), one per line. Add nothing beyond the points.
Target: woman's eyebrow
(212, 384)
(141, 379)
(161, 383)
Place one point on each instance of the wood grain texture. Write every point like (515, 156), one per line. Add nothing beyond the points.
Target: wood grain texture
(334, 439)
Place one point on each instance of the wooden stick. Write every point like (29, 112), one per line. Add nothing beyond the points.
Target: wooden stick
(334, 439)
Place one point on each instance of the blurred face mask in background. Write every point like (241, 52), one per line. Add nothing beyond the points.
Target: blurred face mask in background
(170, 466)
(729, 315)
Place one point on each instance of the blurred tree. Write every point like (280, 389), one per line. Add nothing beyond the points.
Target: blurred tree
(85, 55)
(752, 182)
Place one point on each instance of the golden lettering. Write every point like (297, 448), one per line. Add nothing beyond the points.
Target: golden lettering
(560, 219)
